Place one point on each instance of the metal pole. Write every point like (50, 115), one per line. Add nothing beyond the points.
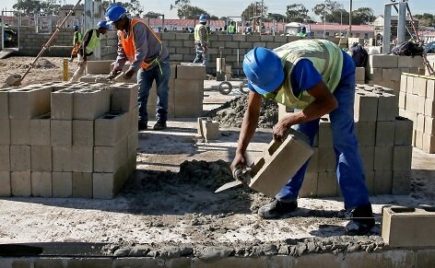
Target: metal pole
(401, 25)
(350, 18)
(387, 30)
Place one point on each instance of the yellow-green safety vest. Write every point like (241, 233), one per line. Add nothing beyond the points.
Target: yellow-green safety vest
(326, 57)
(78, 37)
(93, 43)
(196, 33)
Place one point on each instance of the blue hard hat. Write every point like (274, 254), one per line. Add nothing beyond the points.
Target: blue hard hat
(203, 18)
(115, 13)
(264, 70)
(102, 24)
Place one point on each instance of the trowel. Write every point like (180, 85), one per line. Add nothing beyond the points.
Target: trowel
(242, 175)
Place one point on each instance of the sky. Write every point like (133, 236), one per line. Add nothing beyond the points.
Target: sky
(223, 8)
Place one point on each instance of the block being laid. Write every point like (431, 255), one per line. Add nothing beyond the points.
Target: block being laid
(408, 227)
(366, 106)
(281, 162)
(402, 131)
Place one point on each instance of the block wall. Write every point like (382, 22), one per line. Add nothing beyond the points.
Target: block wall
(67, 139)
(384, 143)
(417, 102)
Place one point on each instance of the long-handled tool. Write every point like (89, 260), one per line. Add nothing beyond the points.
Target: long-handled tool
(15, 79)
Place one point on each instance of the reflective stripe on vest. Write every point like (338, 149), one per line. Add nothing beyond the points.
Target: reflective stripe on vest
(326, 57)
(129, 47)
(196, 33)
(93, 43)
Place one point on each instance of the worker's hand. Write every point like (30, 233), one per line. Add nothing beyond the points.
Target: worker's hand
(129, 74)
(238, 162)
(112, 74)
(280, 131)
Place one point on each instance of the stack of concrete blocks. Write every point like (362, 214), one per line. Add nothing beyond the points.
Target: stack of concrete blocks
(384, 141)
(360, 75)
(208, 129)
(385, 70)
(417, 102)
(57, 140)
(186, 92)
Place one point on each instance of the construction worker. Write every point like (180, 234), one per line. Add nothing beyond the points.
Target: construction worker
(359, 55)
(302, 33)
(201, 40)
(77, 40)
(90, 41)
(232, 27)
(318, 78)
(148, 57)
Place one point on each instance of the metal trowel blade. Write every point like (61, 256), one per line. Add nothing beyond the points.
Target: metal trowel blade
(228, 185)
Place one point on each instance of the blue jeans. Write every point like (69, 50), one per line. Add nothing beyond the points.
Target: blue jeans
(350, 174)
(145, 81)
(200, 55)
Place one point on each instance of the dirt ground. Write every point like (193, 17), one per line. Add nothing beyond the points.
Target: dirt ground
(160, 207)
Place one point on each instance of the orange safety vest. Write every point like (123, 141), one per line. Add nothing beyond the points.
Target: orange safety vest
(129, 47)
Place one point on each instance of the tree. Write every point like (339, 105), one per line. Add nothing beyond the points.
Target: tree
(425, 20)
(297, 13)
(254, 10)
(152, 15)
(28, 6)
(276, 17)
(134, 7)
(363, 15)
(186, 11)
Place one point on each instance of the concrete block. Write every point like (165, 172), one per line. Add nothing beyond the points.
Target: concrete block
(408, 227)
(110, 129)
(133, 143)
(384, 132)
(83, 133)
(360, 74)
(124, 97)
(152, 101)
(173, 71)
(82, 158)
(211, 130)
(309, 186)
(370, 181)
(401, 182)
(40, 130)
(421, 105)
(273, 174)
(41, 184)
(20, 157)
(366, 106)
(20, 131)
(109, 159)
(327, 184)
(429, 108)
(383, 158)
(391, 74)
(420, 86)
(61, 133)
(418, 139)
(191, 71)
(383, 181)
(411, 103)
(188, 97)
(406, 62)
(387, 107)
(326, 160)
(82, 184)
(108, 185)
(5, 161)
(4, 104)
(28, 102)
(366, 133)
(402, 100)
(5, 132)
(313, 163)
(62, 104)
(429, 125)
(419, 125)
(367, 155)
(403, 83)
(383, 61)
(133, 117)
(21, 183)
(376, 74)
(62, 184)
(402, 131)
(5, 183)
(428, 143)
(89, 104)
(99, 67)
(41, 158)
(410, 84)
(62, 158)
(402, 157)
(430, 89)
(325, 132)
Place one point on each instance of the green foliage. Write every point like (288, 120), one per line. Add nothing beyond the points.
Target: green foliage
(36, 7)
(425, 19)
(254, 10)
(297, 13)
(187, 11)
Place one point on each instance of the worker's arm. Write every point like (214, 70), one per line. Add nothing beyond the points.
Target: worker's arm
(121, 58)
(86, 40)
(203, 37)
(249, 124)
(324, 103)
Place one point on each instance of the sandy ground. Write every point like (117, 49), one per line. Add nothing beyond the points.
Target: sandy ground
(158, 207)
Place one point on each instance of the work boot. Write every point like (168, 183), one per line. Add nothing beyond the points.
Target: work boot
(362, 220)
(160, 125)
(142, 125)
(277, 209)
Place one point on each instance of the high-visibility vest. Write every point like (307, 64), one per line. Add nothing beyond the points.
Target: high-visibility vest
(231, 29)
(78, 37)
(129, 47)
(197, 37)
(93, 42)
(326, 57)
